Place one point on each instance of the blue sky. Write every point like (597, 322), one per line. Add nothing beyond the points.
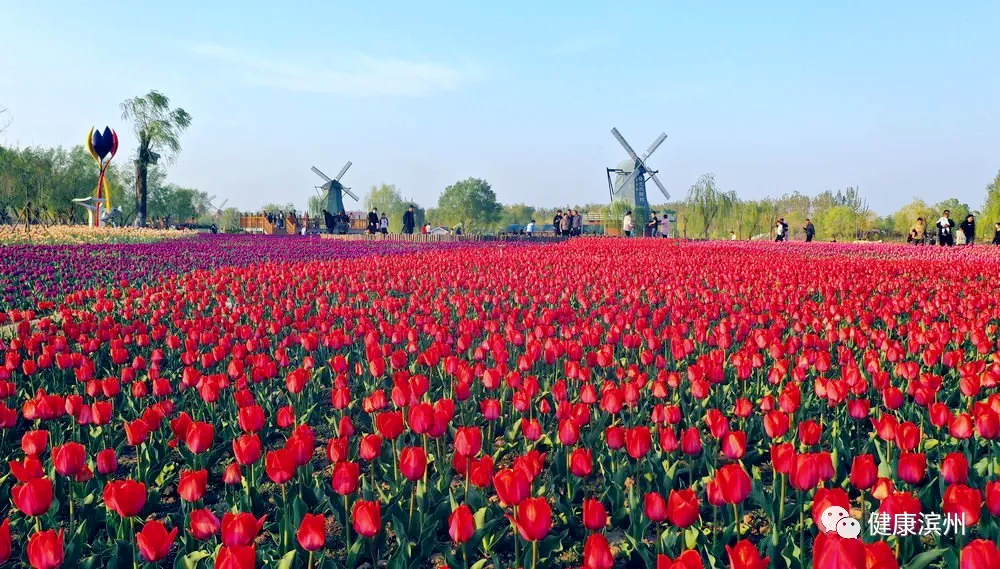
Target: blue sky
(898, 98)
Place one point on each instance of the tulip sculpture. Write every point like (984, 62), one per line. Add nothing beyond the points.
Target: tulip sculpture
(102, 147)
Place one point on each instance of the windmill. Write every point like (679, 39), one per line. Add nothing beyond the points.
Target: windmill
(334, 190)
(632, 174)
(218, 209)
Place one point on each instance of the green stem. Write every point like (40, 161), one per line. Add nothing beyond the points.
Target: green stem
(534, 555)
(135, 554)
(736, 518)
(347, 525)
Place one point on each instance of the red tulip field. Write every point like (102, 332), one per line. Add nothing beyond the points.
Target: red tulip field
(598, 403)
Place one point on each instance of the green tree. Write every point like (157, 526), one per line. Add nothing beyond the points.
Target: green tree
(839, 221)
(157, 128)
(470, 203)
(277, 207)
(516, 214)
(229, 221)
(991, 210)
(707, 202)
(315, 206)
(959, 211)
(387, 199)
(907, 216)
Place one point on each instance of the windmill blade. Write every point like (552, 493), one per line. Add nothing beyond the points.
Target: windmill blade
(350, 193)
(224, 202)
(656, 144)
(343, 170)
(628, 181)
(621, 140)
(659, 185)
(320, 174)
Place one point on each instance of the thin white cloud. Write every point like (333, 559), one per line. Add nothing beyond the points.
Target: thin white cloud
(355, 75)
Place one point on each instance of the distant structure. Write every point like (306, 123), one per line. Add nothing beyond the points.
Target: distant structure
(631, 176)
(334, 190)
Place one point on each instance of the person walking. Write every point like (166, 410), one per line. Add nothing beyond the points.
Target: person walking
(383, 224)
(810, 230)
(408, 221)
(665, 225)
(565, 223)
(653, 226)
(918, 233)
(577, 224)
(557, 222)
(373, 221)
(996, 233)
(779, 230)
(529, 230)
(945, 225)
(627, 225)
(968, 227)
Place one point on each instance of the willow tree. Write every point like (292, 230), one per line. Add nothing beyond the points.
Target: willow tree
(708, 202)
(158, 129)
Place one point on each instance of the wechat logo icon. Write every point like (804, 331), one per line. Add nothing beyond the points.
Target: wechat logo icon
(836, 520)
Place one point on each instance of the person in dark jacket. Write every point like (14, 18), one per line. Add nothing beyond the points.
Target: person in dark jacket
(969, 229)
(409, 222)
(945, 226)
(653, 226)
(557, 221)
(996, 233)
(373, 221)
(810, 230)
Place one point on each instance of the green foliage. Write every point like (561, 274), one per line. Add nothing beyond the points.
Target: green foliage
(959, 211)
(839, 221)
(315, 206)
(388, 199)
(157, 128)
(907, 216)
(707, 202)
(470, 203)
(516, 214)
(991, 210)
(229, 222)
(276, 207)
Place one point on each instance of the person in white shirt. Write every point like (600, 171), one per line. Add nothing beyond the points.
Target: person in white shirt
(530, 228)
(627, 225)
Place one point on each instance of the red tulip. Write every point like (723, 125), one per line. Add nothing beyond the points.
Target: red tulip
(236, 557)
(879, 555)
(683, 508)
(136, 432)
(390, 424)
(637, 442)
(5, 544)
(899, 503)
(955, 468)
(154, 542)
(734, 444)
(581, 463)
(371, 447)
(775, 424)
(690, 559)
(280, 465)
(34, 497)
(691, 441)
(569, 433)
(203, 524)
(595, 517)
(125, 497)
(597, 552)
(864, 472)
(615, 437)
(45, 549)
(232, 474)
(993, 498)
(34, 443)
(312, 532)
(199, 437)
(745, 555)
(251, 419)
(240, 528)
(412, 463)
(979, 554)
(512, 486)
(468, 441)
(963, 503)
(534, 519)
(69, 459)
(27, 469)
(191, 486)
(826, 498)
(461, 524)
(830, 551)
(655, 507)
(734, 483)
(367, 517)
(345, 478)
(912, 467)
(247, 449)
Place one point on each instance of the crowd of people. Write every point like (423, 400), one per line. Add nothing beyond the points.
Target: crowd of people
(944, 228)
(655, 227)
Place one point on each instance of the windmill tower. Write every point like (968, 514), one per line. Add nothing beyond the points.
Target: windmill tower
(631, 177)
(334, 190)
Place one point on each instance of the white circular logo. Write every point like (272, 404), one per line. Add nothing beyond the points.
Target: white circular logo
(837, 520)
